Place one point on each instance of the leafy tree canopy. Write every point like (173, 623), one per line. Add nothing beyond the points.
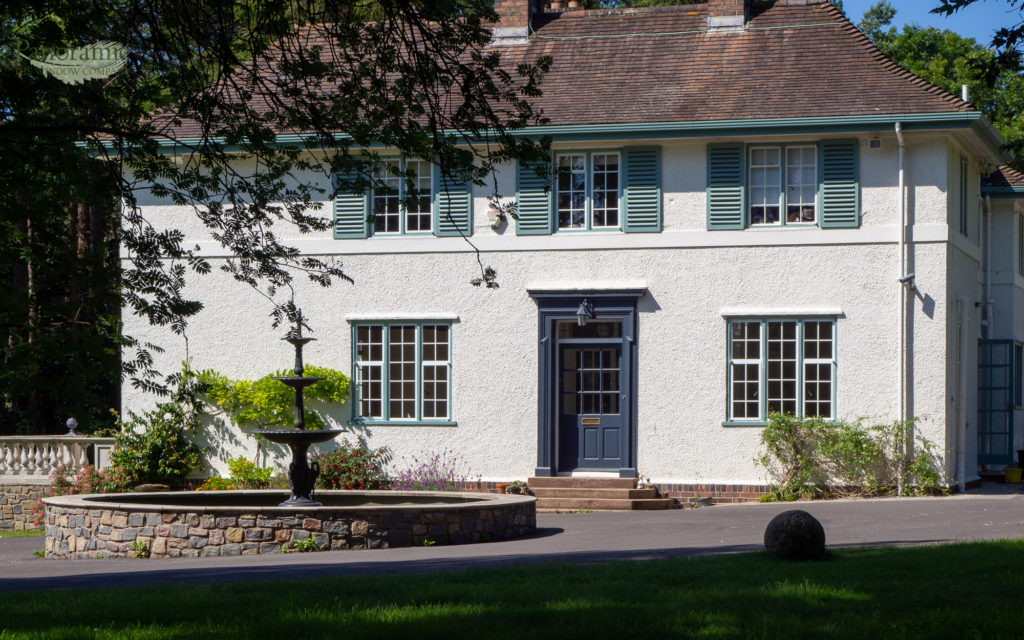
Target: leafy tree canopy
(225, 78)
(949, 60)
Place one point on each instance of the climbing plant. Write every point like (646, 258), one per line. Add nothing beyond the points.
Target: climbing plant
(266, 403)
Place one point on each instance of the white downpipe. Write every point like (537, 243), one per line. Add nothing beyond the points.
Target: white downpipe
(901, 330)
(961, 393)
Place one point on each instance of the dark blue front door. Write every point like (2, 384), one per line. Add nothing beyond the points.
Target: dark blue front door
(591, 398)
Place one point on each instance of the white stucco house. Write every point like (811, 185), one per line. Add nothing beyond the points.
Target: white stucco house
(756, 209)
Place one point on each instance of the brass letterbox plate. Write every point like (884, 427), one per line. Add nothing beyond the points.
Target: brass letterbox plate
(587, 421)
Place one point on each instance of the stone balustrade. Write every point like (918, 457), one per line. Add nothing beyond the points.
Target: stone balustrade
(31, 459)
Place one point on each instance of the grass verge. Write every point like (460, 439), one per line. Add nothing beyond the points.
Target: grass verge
(955, 591)
(25, 533)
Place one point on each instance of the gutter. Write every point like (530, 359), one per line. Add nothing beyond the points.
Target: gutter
(684, 129)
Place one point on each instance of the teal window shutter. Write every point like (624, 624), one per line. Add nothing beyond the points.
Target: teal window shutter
(533, 200)
(350, 210)
(838, 185)
(726, 192)
(642, 194)
(453, 206)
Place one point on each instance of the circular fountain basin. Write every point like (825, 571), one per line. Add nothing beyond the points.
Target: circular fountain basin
(231, 523)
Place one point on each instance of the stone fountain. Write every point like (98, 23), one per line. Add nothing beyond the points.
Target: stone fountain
(302, 475)
(256, 522)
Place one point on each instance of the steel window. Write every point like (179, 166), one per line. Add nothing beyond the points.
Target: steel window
(781, 366)
(403, 372)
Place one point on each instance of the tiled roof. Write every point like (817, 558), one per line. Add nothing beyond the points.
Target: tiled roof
(662, 65)
(795, 58)
(1004, 177)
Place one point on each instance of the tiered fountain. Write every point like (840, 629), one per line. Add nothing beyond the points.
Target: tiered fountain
(193, 523)
(298, 439)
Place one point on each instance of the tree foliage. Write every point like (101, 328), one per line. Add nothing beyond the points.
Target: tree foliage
(225, 78)
(1007, 40)
(949, 60)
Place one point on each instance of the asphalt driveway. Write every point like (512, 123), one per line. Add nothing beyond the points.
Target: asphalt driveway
(580, 537)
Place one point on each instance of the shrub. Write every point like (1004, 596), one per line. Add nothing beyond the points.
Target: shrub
(439, 472)
(352, 467)
(244, 475)
(153, 447)
(248, 475)
(66, 480)
(216, 483)
(809, 457)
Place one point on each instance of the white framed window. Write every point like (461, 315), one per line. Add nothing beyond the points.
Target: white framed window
(588, 190)
(402, 197)
(781, 366)
(402, 372)
(783, 184)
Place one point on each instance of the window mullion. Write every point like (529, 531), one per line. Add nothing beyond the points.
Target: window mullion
(418, 372)
(783, 183)
(588, 191)
(385, 371)
(403, 207)
(801, 411)
(762, 373)
(835, 370)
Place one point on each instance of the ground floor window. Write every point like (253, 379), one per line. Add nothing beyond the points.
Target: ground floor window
(781, 365)
(402, 372)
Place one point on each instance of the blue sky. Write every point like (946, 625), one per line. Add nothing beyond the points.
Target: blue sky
(978, 21)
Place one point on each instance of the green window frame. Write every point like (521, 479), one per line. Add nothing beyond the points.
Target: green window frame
(402, 373)
(383, 209)
(780, 364)
(737, 197)
(782, 170)
(394, 210)
(588, 196)
(637, 194)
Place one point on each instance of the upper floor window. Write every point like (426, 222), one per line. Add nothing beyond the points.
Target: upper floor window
(760, 185)
(964, 223)
(402, 197)
(588, 190)
(1020, 245)
(408, 197)
(781, 366)
(778, 186)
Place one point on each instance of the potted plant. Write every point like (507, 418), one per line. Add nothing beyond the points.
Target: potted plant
(501, 486)
(517, 487)
(1012, 474)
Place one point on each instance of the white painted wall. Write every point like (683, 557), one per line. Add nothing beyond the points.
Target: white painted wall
(692, 275)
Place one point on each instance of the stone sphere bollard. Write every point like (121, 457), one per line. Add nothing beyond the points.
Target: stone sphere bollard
(795, 535)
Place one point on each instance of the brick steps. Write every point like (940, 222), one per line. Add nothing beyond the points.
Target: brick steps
(561, 494)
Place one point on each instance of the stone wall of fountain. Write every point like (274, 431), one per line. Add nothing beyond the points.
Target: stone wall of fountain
(108, 525)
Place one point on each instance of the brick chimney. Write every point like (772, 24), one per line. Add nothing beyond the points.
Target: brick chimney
(515, 15)
(726, 15)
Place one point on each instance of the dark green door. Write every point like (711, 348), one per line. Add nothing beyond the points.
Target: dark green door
(592, 399)
(995, 402)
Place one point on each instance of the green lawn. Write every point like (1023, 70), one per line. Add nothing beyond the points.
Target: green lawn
(26, 533)
(962, 591)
